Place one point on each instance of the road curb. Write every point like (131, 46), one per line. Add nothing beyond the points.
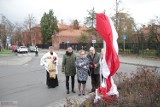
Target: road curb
(139, 64)
(78, 100)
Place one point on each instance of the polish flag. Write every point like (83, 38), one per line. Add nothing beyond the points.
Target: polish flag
(111, 63)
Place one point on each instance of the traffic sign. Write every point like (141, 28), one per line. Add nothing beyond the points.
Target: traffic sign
(67, 41)
(124, 37)
(93, 41)
(8, 38)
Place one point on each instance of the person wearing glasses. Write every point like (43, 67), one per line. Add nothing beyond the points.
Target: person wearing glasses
(82, 66)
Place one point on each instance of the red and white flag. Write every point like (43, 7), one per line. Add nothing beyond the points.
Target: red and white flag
(107, 31)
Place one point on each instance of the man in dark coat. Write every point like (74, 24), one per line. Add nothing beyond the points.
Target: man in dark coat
(69, 68)
(94, 65)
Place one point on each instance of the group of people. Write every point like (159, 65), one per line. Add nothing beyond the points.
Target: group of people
(83, 65)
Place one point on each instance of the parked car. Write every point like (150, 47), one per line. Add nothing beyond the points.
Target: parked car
(22, 49)
(15, 48)
(32, 48)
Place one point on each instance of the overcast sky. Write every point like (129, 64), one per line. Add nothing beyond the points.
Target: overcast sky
(17, 10)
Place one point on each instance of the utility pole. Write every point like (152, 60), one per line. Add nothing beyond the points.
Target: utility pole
(116, 15)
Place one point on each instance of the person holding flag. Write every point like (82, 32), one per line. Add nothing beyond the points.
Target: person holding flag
(110, 62)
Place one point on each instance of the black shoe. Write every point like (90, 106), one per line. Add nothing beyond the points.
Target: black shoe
(92, 90)
(79, 94)
(73, 91)
(49, 87)
(67, 91)
(83, 92)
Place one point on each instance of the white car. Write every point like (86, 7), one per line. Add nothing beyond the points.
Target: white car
(22, 49)
(32, 49)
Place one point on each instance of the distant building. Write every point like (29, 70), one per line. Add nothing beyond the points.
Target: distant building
(32, 38)
(66, 34)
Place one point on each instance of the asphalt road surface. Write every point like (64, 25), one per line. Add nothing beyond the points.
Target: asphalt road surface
(26, 83)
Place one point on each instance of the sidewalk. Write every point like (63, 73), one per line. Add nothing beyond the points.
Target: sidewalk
(133, 60)
(11, 59)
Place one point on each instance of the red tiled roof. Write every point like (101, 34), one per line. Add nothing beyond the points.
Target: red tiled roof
(67, 30)
(83, 28)
(62, 26)
(38, 25)
(70, 33)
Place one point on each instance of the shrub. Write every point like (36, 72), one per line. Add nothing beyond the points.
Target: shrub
(142, 89)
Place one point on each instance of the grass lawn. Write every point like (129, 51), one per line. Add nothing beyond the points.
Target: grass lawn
(4, 51)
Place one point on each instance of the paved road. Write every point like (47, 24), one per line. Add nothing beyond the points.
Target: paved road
(22, 79)
(25, 83)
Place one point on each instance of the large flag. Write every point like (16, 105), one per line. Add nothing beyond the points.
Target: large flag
(107, 31)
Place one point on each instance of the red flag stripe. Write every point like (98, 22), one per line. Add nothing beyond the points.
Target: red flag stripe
(104, 28)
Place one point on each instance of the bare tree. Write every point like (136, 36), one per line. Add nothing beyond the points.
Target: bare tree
(17, 37)
(117, 11)
(28, 25)
(7, 28)
(154, 34)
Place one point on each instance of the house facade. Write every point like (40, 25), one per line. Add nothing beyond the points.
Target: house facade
(66, 34)
(33, 37)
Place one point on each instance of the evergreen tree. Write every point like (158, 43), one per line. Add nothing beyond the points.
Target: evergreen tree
(75, 24)
(49, 27)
